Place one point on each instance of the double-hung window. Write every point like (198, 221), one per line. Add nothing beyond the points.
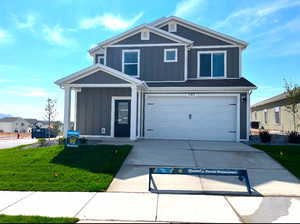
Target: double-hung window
(277, 115)
(211, 64)
(131, 62)
(266, 116)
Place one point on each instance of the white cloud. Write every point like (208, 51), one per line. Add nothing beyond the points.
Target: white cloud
(186, 7)
(55, 35)
(5, 37)
(248, 18)
(28, 23)
(28, 92)
(109, 21)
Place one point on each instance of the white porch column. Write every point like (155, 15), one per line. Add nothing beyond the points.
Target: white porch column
(133, 116)
(67, 109)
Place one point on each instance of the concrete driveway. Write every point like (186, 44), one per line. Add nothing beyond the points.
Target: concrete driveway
(267, 177)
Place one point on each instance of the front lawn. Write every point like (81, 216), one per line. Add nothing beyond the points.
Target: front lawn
(287, 155)
(35, 219)
(59, 168)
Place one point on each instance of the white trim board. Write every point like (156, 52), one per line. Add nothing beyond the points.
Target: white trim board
(147, 45)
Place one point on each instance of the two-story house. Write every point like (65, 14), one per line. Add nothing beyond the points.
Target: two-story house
(169, 79)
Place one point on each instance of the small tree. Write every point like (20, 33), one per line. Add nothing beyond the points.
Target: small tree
(50, 113)
(293, 99)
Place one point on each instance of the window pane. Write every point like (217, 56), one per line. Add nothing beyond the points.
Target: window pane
(205, 65)
(218, 65)
(123, 113)
(131, 69)
(130, 57)
(101, 61)
(170, 55)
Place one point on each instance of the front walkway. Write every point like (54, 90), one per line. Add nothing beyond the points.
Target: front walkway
(9, 143)
(131, 207)
(267, 177)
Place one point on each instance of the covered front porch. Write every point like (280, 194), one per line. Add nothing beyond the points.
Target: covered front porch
(106, 104)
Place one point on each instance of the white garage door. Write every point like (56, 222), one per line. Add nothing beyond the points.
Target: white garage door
(191, 117)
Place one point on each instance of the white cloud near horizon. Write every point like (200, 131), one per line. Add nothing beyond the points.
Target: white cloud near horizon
(5, 36)
(29, 22)
(248, 18)
(56, 35)
(109, 21)
(186, 7)
(28, 92)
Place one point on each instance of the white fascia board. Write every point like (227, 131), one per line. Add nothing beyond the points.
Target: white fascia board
(89, 70)
(202, 29)
(136, 30)
(205, 89)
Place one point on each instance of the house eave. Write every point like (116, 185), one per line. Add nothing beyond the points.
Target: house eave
(200, 89)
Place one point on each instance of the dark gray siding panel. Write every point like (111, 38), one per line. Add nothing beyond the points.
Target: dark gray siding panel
(232, 61)
(243, 116)
(154, 39)
(199, 39)
(152, 65)
(100, 77)
(94, 109)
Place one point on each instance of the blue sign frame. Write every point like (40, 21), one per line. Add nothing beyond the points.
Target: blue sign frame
(72, 138)
(242, 174)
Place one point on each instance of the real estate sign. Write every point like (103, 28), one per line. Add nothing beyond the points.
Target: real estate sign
(73, 138)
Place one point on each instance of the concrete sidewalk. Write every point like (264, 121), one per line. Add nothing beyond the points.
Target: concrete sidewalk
(149, 207)
(9, 143)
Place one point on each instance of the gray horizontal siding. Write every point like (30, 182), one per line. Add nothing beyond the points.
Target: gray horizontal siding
(94, 109)
(136, 39)
(152, 65)
(232, 61)
(199, 39)
(100, 77)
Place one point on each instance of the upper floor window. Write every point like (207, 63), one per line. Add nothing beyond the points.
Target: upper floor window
(277, 115)
(211, 64)
(131, 62)
(100, 59)
(170, 55)
(172, 27)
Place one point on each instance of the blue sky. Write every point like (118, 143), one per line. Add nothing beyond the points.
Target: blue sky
(40, 43)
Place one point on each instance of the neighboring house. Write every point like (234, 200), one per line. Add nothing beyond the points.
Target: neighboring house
(169, 79)
(272, 114)
(32, 122)
(14, 124)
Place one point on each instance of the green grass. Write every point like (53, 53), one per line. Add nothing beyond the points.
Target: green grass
(35, 219)
(59, 168)
(287, 155)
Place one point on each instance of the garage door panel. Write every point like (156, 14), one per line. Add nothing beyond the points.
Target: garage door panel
(202, 117)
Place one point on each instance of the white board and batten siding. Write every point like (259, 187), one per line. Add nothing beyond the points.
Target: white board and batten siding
(194, 117)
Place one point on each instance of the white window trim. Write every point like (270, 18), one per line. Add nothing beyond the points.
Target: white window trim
(98, 59)
(175, 27)
(211, 68)
(265, 116)
(138, 61)
(165, 54)
(147, 37)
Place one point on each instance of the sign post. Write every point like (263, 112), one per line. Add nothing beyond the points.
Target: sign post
(72, 138)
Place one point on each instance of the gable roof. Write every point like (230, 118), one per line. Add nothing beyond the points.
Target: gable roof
(137, 29)
(96, 67)
(9, 119)
(163, 21)
(31, 120)
(273, 99)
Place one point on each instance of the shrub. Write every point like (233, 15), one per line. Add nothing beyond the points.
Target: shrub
(42, 141)
(61, 141)
(294, 137)
(265, 136)
(82, 140)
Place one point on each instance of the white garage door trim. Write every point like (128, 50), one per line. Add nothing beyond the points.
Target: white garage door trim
(206, 95)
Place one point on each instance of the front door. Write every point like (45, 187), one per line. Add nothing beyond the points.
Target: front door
(122, 118)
